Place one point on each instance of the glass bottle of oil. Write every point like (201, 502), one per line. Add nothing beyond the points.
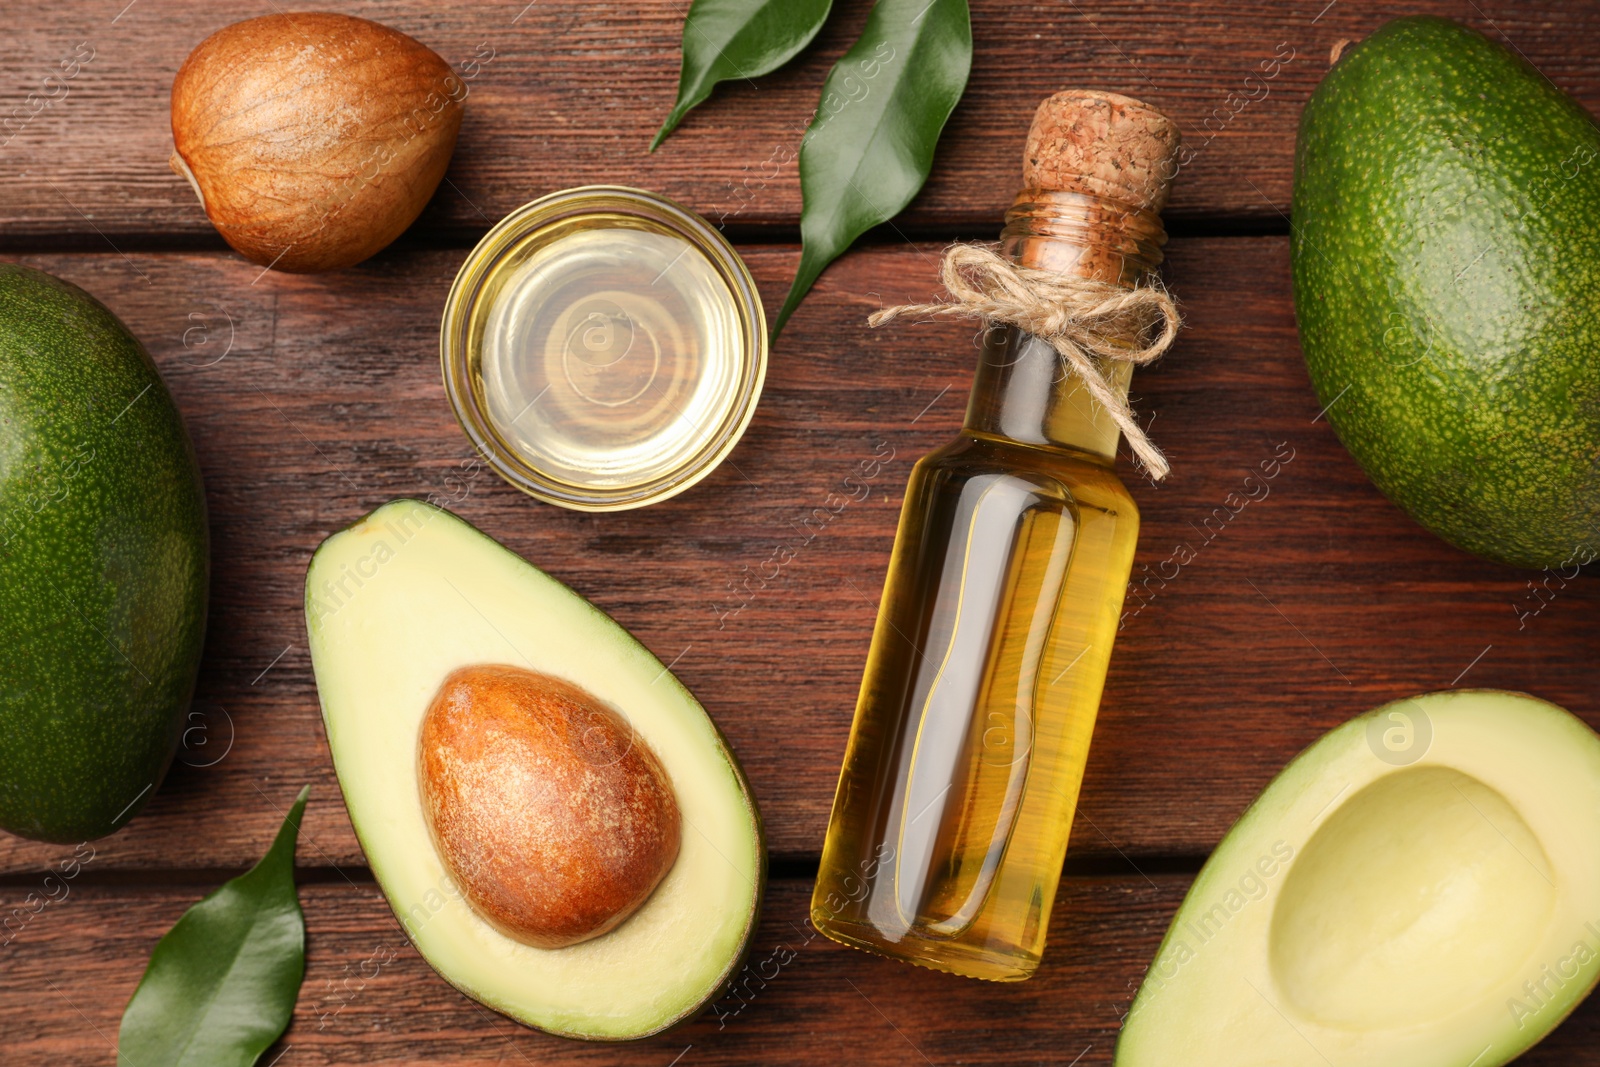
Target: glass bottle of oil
(1002, 598)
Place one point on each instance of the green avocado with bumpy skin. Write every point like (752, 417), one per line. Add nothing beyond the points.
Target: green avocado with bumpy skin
(103, 565)
(1446, 261)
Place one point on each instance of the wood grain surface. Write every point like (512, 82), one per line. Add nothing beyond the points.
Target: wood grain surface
(573, 93)
(369, 998)
(1314, 603)
(312, 400)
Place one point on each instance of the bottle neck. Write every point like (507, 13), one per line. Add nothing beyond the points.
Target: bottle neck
(1022, 390)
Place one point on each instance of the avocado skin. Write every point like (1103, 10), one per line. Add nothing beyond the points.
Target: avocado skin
(103, 565)
(1446, 259)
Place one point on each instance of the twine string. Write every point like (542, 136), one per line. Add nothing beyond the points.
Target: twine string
(1087, 322)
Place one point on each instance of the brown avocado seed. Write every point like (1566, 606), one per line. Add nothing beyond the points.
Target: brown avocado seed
(313, 139)
(552, 815)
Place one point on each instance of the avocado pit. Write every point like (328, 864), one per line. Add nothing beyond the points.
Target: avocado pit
(552, 815)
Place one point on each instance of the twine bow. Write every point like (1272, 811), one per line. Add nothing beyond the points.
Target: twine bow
(1084, 320)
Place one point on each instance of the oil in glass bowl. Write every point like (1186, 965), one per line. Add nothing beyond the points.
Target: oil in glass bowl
(604, 348)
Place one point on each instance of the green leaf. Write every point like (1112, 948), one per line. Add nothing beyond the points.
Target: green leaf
(222, 983)
(870, 147)
(725, 39)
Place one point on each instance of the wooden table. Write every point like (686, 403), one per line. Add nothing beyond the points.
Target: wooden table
(314, 399)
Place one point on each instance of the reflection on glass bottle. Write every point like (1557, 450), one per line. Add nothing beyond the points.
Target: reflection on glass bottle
(993, 636)
(1000, 577)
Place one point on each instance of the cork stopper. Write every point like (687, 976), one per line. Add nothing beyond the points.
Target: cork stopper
(1104, 145)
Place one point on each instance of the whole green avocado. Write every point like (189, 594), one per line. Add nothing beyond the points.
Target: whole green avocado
(1446, 252)
(103, 565)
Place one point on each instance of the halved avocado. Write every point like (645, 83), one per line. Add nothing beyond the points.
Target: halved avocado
(1419, 888)
(401, 601)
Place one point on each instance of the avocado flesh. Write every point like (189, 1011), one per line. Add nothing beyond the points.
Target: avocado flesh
(1446, 271)
(411, 593)
(104, 565)
(1440, 913)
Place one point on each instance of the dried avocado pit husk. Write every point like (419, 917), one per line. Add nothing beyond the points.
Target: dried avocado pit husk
(312, 139)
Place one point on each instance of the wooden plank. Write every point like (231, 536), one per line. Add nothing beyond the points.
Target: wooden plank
(368, 998)
(573, 93)
(1307, 606)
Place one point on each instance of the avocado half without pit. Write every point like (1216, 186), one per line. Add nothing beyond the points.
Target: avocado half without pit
(1419, 888)
(556, 822)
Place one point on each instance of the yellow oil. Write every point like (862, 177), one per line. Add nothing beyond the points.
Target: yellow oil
(607, 352)
(1001, 603)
